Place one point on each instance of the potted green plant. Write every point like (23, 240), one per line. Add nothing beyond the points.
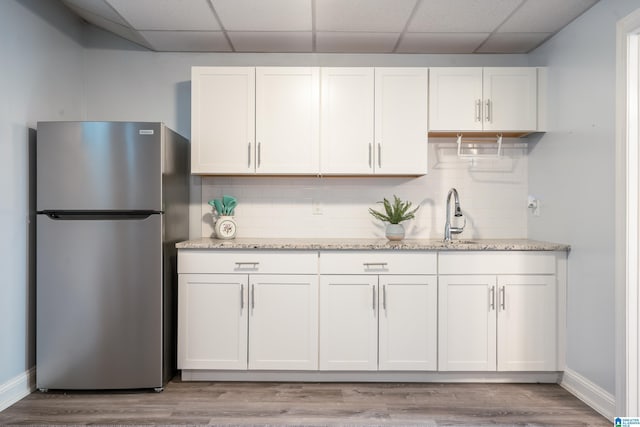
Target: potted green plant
(394, 213)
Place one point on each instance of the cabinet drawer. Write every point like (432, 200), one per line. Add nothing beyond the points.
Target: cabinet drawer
(249, 261)
(517, 262)
(377, 262)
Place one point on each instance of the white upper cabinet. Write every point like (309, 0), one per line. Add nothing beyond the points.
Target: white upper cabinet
(374, 121)
(287, 120)
(346, 128)
(222, 120)
(401, 121)
(483, 99)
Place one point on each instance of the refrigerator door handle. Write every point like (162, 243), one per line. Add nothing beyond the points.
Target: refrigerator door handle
(87, 215)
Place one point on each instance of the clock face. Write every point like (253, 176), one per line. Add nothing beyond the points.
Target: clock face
(226, 229)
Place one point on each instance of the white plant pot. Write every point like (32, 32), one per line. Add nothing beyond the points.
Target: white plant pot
(225, 228)
(394, 232)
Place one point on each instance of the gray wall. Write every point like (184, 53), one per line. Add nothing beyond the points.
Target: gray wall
(571, 169)
(40, 79)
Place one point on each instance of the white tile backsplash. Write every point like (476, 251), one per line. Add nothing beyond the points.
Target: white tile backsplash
(493, 197)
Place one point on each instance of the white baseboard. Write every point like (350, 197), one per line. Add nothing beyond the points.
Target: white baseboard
(17, 388)
(590, 393)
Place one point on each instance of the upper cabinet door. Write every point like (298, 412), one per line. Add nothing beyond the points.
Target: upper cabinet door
(455, 99)
(346, 127)
(222, 120)
(401, 96)
(287, 120)
(510, 99)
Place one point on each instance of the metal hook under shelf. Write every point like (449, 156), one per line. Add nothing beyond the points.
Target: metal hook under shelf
(473, 143)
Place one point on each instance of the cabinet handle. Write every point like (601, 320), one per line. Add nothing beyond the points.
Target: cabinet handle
(478, 110)
(370, 149)
(373, 294)
(259, 154)
(368, 265)
(502, 298)
(249, 155)
(384, 297)
(379, 155)
(241, 264)
(253, 296)
(492, 298)
(488, 110)
(242, 296)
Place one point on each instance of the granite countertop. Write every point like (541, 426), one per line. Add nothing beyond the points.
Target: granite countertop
(374, 244)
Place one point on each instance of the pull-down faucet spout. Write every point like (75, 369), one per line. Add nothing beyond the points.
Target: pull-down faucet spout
(448, 229)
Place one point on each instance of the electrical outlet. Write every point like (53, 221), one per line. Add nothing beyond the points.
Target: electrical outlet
(534, 205)
(316, 207)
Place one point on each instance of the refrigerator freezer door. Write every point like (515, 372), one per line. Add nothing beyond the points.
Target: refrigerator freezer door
(93, 166)
(99, 303)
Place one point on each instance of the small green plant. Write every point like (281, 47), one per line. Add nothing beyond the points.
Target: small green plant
(224, 206)
(394, 213)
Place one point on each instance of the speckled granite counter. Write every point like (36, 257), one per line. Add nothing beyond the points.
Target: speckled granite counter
(374, 244)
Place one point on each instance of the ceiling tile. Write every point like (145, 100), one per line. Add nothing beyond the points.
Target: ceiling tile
(187, 41)
(363, 15)
(264, 15)
(260, 41)
(468, 16)
(356, 42)
(115, 28)
(512, 42)
(185, 15)
(441, 42)
(97, 7)
(545, 16)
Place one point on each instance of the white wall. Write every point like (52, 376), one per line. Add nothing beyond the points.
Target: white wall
(571, 169)
(40, 79)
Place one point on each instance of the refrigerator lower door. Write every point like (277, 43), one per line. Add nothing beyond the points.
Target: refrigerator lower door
(99, 303)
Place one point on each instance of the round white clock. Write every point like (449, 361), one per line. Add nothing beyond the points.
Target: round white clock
(225, 228)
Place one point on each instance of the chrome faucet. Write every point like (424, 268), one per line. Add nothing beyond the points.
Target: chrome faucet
(448, 229)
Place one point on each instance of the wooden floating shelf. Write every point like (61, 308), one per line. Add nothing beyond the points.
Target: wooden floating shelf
(479, 134)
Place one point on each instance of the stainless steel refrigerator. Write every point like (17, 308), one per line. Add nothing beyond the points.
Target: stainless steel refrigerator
(112, 201)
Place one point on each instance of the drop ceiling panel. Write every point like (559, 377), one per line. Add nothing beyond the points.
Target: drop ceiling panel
(535, 16)
(187, 41)
(468, 16)
(99, 8)
(169, 15)
(335, 42)
(441, 42)
(264, 15)
(260, 41)
(512, 42)
(363, 15)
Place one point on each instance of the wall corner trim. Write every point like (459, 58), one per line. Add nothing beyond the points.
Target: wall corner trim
(590, 393)
(17, 388)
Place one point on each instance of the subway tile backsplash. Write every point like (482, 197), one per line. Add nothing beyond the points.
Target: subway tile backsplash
(493, 197)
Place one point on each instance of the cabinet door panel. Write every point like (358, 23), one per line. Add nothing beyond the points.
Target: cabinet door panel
(467, 327)
(222, 120)
(401, 121)
(408, 329)
(455, 99)
(348, 323)
(283, 325)
(527, 323)
(287, 120)
(510, 99)
(212, 321)
(346, 127)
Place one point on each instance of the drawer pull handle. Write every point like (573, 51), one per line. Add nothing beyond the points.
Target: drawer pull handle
(384, 297)
(242, 296)
(244, 264)
(373, 294)
(492, 298)
(375, 264)
(253, 296)
(502, 298)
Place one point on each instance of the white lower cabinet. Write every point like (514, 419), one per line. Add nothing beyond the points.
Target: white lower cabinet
(384, 320)
(247, 321)
(503, 322)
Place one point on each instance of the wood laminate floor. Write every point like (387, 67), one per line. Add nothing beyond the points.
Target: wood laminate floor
(311, 404)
